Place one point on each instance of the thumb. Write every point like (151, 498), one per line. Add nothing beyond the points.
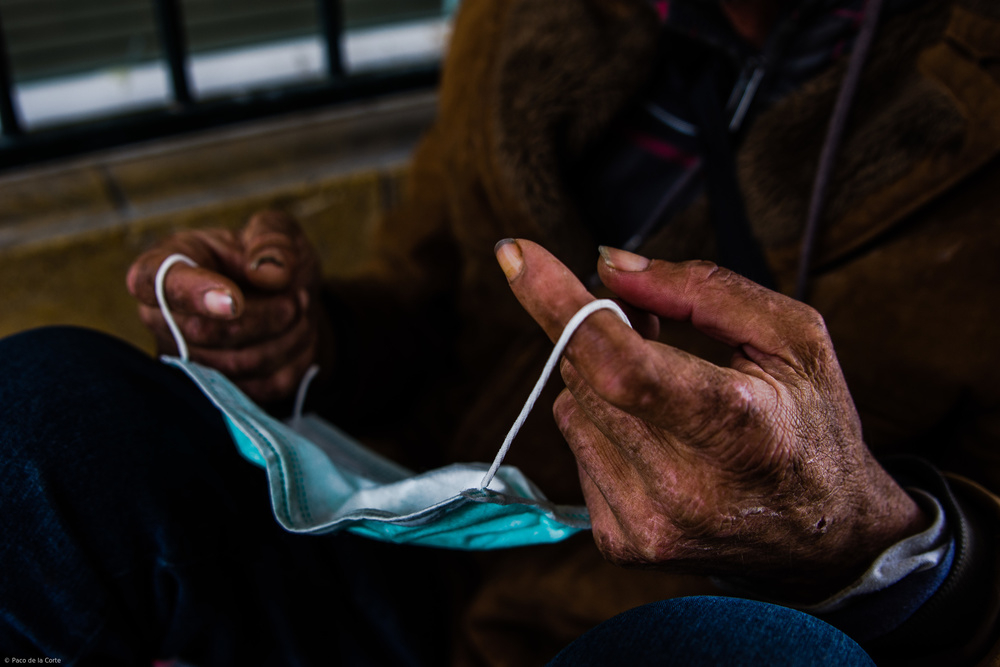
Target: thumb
(271, 249)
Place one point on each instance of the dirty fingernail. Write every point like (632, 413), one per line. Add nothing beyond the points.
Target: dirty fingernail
(623, 260)
(509, 257)
(270, 257)
(220, 302)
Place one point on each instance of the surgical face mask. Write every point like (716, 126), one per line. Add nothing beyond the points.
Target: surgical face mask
(322, 481)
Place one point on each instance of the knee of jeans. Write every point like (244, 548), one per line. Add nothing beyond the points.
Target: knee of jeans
(70, 342)
(52, 372)
(66, 388)
(713, 630)
(83, 410)
(40, 360)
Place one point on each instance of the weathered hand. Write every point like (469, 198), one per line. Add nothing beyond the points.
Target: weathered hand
(757, 470)
(251, 308)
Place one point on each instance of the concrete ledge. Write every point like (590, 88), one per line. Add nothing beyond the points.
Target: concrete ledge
(70, 231)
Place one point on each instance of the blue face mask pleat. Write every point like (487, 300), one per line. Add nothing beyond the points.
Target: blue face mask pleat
(321, 480)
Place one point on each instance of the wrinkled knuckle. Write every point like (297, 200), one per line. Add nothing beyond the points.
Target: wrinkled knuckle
(736, 398)
(563, 409)
(701, 270)
(812, 343)
(566, 370)
(632, 384)
(730, 408)
(704, 275)
(813, 323)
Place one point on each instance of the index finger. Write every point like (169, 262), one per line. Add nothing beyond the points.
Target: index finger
(621, 367)
(552, 295)
(719, 303)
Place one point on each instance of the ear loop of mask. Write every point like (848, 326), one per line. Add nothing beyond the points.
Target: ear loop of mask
(571, 327)
(300, 397)
(550, 364)
(161, 299)
(182, 349)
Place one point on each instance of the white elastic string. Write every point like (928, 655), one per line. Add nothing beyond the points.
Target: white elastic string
(571, 327)
(182, 350)
(161, 298)
(300, 397)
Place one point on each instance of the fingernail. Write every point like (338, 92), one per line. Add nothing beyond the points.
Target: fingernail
(304, 299)
(509, 257)
(271, 257)
(220, 302)
(622, 260)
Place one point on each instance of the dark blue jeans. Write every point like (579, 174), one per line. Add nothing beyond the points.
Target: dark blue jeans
(709, 631)
(133, 531)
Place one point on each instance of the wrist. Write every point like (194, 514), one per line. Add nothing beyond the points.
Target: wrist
(842, 535)
(828, 589)
(881, 514)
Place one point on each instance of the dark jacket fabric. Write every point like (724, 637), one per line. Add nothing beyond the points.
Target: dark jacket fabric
(438, 356)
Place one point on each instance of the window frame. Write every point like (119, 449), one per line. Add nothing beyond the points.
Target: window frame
(185, 112)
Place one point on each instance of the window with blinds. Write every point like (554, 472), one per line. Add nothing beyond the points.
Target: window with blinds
(50, 38)
(67, 62)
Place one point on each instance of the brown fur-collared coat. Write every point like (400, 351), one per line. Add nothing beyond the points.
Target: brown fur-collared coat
(907, 272)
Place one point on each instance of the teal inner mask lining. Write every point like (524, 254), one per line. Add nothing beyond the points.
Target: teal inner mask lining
(321, 480)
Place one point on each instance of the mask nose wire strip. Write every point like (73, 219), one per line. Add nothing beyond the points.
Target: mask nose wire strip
(571, 327)
(161, 299)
